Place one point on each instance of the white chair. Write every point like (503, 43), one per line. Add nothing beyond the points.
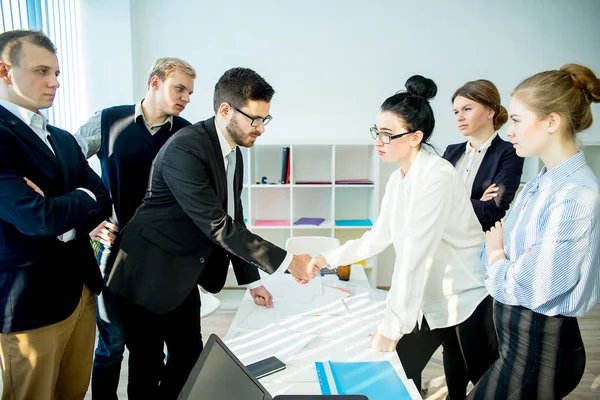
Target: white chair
(208, 303)
(313, 245)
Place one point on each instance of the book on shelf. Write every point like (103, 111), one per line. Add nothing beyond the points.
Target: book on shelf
(272, 222)
(354, 222)
(358, 181)
(313, 182)
(310, 221)
(285, 165)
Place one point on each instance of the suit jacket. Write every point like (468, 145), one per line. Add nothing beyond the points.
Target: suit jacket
(41, 278)
(181, 235)
(501, 166)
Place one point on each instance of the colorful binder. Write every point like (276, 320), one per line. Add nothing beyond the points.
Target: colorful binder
(354, 222)
(376, 380)
(310, 221)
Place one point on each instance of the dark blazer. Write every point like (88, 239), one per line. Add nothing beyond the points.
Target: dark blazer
(501, 166)
(41, 278)
(181, 235)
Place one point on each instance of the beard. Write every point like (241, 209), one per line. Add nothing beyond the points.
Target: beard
(237, 135)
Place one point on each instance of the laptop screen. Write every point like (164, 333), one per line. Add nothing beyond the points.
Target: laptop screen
(218, 374)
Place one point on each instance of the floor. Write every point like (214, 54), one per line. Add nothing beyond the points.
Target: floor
(433, 375)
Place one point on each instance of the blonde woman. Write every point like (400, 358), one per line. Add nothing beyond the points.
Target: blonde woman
(542, 265)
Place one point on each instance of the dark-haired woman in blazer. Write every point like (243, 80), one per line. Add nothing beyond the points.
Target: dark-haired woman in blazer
(488, 165)
(491, 172)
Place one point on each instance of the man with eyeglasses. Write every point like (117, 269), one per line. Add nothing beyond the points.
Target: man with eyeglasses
(187, 230)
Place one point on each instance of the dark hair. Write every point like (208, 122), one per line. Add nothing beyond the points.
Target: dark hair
(11, 43)
(486, 93)
(412, 105)
(238, 85)
(568, 91)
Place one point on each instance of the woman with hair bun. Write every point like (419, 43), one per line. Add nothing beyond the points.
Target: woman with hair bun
(542, 265)
(437, 288)
(489, 167)
(491, 172)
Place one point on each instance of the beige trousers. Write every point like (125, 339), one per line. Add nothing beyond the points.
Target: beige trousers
(53, 362)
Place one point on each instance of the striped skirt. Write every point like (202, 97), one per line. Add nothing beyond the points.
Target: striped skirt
(541, 357)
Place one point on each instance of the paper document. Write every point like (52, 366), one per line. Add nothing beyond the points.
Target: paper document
(270, 341)
(284, 288)
(258, 318)
(368, 305)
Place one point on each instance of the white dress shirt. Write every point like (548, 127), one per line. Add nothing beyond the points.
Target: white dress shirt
(226, 149)
(39, 124)
(430, 222)
(468, 164)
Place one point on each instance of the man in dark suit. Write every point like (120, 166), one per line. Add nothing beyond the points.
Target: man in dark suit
(49, 201)
(500, 167)
(187, 230)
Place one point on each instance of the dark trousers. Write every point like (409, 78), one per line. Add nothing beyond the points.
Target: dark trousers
(541, 357)
(469, 349)
(111, 338)
(147, 333)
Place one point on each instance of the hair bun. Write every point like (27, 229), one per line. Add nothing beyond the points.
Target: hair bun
(421, 86)
(585, 80)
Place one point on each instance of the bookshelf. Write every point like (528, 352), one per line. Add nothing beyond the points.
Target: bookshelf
(271, 209)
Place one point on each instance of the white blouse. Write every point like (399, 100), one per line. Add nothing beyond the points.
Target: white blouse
(429, 219)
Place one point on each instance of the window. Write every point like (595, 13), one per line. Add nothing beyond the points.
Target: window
(59, 19)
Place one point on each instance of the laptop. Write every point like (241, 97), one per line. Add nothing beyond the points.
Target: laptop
(218, 375)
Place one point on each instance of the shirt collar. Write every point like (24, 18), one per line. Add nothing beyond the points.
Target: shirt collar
(225, 147)
(560, 173)
(31, 119)
(139, 112)
(488, 143)
(414, 171)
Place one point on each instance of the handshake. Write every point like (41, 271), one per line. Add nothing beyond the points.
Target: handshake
(304, 267)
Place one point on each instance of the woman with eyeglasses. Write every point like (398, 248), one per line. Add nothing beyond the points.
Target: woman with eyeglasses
(437, 289)
(542, 265)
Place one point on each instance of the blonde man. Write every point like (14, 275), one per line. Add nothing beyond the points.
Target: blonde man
(126, 139)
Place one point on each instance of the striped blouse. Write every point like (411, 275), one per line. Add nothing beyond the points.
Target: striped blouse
(551, 244)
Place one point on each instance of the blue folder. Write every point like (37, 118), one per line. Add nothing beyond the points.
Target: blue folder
(376, 380)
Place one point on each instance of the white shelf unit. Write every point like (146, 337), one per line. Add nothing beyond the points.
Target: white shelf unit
(290, 202)
(591, 151)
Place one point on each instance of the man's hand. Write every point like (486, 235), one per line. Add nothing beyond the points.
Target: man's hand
(102, 233)
(262, 297)
(299, 268)
(315, 265)
(490, 193)
(494, 242)
(34, 187)
(382, 343)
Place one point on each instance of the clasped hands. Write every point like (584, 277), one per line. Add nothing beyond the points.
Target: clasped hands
(304, 267)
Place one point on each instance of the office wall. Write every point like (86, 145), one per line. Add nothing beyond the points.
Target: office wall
(106, 57)
(105, 46)
(333, 62)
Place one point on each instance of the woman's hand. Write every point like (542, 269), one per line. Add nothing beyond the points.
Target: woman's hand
(490, 193)
(382, 343)
(494, 242)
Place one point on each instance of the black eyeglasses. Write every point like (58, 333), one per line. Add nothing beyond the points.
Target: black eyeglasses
(254, 121)
(386, 138)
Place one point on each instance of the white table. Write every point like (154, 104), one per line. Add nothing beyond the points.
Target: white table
(300, 376)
